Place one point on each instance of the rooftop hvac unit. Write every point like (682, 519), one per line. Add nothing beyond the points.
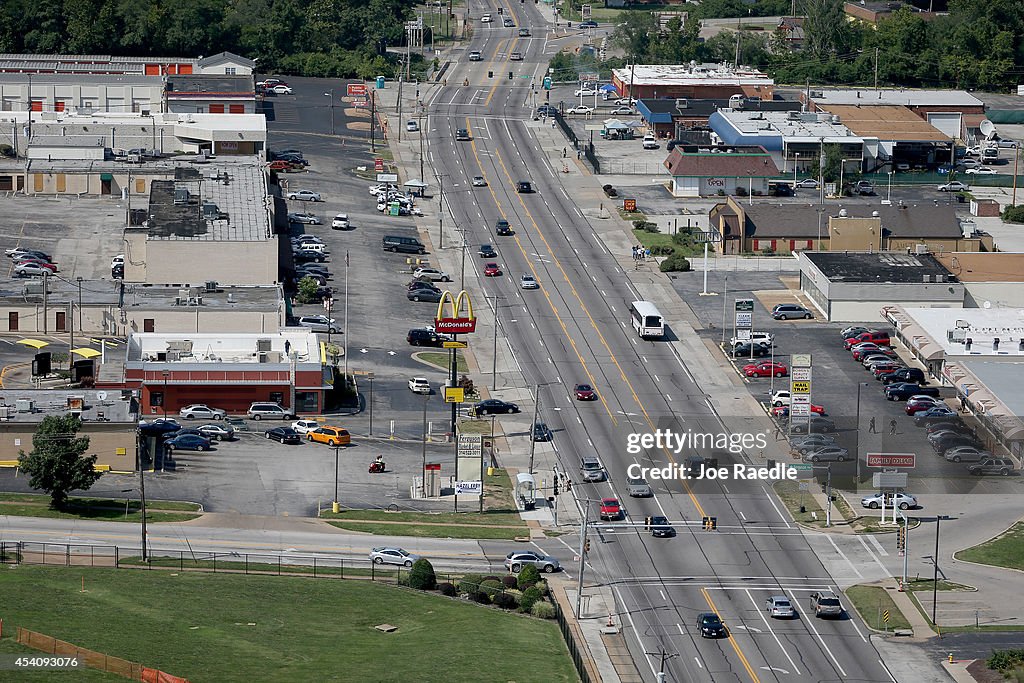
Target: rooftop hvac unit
(920, 248)
(211, 285)
(264, 345)
(25, 405)
(927, 278)
(6, 412)
(793, 115)
(682, 104)
(264, 357)
(181, 195)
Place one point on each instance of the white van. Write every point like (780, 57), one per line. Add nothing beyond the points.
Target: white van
(270, 411)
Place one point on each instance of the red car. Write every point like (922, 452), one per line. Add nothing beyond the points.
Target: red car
(492, 270)
(765, 369)
(610, 509)
(921, 403)
(864, 349)
(585, 392)
(783, 411)
(883, 369)
(52, 267)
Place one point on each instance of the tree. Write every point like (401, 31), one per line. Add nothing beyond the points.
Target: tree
(823, 27)
(307, 290)
(528, 576)
(633, 34)
(57, 463)
(421, 576)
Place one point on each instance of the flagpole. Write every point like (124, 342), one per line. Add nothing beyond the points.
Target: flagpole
(346, 319)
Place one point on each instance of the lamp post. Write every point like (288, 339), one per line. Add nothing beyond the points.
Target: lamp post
(935, 576)
(423, 469)
(80, 328)
(817, 243)
(494, 349)
(331, 95)
(335, 506)
(796, 165)
(857, 430)
(166, 374)
(369, 403)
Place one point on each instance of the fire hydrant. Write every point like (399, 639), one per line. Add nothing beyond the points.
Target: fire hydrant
(950, 657)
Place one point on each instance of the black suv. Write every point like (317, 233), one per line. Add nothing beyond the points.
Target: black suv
(541, 432)
(425, 338)
(502, 227)
(901, 391)
(710, 625)
(743, 350)
(915, 375)
(1001, 466)
(524, 187)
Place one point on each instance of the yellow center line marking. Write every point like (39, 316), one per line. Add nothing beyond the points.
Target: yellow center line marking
(732, 641)
(511, 44)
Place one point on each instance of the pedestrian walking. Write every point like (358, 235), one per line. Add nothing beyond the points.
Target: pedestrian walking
(634, 252)
(892, 427)
(565, 152)
(647, 252)
(579, 154)
(871, 427)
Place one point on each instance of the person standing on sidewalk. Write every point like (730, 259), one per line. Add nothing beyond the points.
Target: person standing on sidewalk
(871, 427)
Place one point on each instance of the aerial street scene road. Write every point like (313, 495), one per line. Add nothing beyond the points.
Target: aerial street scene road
(528, 341)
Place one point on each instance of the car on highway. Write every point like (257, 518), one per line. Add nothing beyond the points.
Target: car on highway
(902, 500)
(541, 432)
(486, 19)
(419, 385)
(779, 606)
(492, 269)
(610, 509)
(201, 412)
(580, 109)
(790, 311)
(433, 274)
(284, 435)
(827, 454)
(515, 56)
(392, 555)
(319, 323)
(954, 186)
(584, 392)
(524, 32)
(637, 487)
(304, 218)
(188, 442)
(305, 196)
(430, 296)
(462, 135)
(901, 391)
(305, 426)
(967, 454)
(475, 56)
(650, 142)
(816, 424)
(487, 251)
(479, 181)
(516, 560)
(981, 170)
(528, 282)
(591, 468)
(341, 222)
(508, 23)
(217, 432)
(502, 227)
(412, 126)
(766, 369)
(919, 403)
(524, 187)
(710, 625)
(660, 527)
(998, 466)
(494, 406)
(588, 24)
(332, 436)
(826, 604)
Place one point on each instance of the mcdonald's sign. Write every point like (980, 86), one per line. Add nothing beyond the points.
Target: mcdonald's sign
(456, 323)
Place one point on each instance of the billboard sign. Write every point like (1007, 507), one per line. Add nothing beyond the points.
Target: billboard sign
(456, 322)
(905, 460)
(356, 90)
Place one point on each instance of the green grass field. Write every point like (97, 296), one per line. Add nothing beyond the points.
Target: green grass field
(8, 646)
(489, 525)
(1005, 550)
(223, 628)
(440, 359)
(871, 602)
(106, 509)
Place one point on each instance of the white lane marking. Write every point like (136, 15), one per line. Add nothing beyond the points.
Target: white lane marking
(656, 378)
(772, 631)
(891, 677)
(702, 666)
(632, 626)
(566, 194)
(740, 513)
(810, 623)
(843, 555)
(878, 546)
(668, 397)
(663, 595)
(571, 549)
(781, 516)
(577, 210)
(885, 572)
(857, 629)
(725, 490)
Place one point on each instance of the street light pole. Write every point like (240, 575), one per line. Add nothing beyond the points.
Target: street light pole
(336, 507)
(856, 442)
(331, 95)
(533, 427)
(370, 403)
(423, 469)
(494, 350)
(935, 576)
(165, 373)
(142, 495)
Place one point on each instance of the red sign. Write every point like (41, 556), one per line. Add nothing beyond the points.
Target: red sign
(433, 466)
(455, 323)
(356, 90)
(905, 460)
(378, 165)
(629, 205)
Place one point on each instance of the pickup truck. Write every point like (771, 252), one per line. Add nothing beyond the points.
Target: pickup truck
(826, 604)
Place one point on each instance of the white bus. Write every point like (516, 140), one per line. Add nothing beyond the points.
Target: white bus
(647, 321)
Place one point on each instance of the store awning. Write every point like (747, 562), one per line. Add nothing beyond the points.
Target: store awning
(106, 176)
(34, 343)
(86, 352)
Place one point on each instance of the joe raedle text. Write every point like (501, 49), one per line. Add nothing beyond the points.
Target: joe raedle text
(737, 472)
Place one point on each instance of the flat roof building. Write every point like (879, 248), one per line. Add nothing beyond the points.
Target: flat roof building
(706, 171)
(991, 278)
(655, 81)
(88, 66)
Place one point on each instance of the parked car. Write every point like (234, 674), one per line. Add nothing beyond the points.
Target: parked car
(591, 469)
(284, 435)
(904, 501)
(710, 626)
(188, 442)
(305, 426)
(790, 311)
(202, 412)
(807, 184)
(623, 111)
(421, 294)
(159, 427)
(919, 403)
(610, 509)
(779, 606)
(303, 217)
(585, 92)
(766, 339)
(826, 604)
(426, 338)
(810, 442)
(937, 413)
(827, 454)
(981, 170)
(748, 350)
(883, 368)
(26, 269)
(817, 423)
(579, 109)
(238, 423)
(433, 274)
(280, 89)
(515, 561)
(332, 436)
(259, 410)
(217, 432)
(875, 336)
(967, 454)
(419, 385)
(341, 222)
(901, 391)
(954, 186)
(915, 375)
(852, 331)
(1000, 466)
(493, 406)
(305, 196)
(650, 142)
(953, 424)
(943, 441)
(392, 555)
(584, 392)
(766, 369)
(319, 323)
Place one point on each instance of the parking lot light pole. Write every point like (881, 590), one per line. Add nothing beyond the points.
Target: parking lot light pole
(856, 443)
(166, 374)
(369, 403)
(935, 576)
(335, 506)
(331, 95)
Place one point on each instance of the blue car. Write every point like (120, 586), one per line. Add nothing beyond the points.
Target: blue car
(936, 414)
(188, 442)
(159, 427)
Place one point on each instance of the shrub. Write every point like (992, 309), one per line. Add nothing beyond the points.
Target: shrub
(307, 290)
(1005, 659)
(1014, 214)
(530, 596)
(721, 193)
(542, 586)
(662, 250)
(492, 577)
(481, 597)
(470, 583)
(741, 191)
(491, 587)
(651, 227)
(505, 601)
(421, 576)
(510, 581)
(543, 610)
(6, 151)
(528, 576)
(639, 225)
(515, 594)
(448, 589)
(676, 263)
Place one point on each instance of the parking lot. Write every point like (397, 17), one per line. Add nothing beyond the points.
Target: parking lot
(835, 387)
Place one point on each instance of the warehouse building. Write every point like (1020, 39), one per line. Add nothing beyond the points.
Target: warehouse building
(653, 81)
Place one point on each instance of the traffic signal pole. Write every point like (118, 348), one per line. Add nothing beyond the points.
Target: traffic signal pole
(583, 561)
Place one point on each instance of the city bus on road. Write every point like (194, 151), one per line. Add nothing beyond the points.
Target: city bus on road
(647, 321)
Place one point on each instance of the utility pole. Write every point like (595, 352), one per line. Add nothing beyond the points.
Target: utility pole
(664, 656)
(876, 68)
(494, 350)
(46, 289)
(583, 558)
(423, 469)
(440, 214)
(828, 497)
(401, 80)
(142, 496)
(533, 432)
(738, 28)
(373, 120)
(421, 140)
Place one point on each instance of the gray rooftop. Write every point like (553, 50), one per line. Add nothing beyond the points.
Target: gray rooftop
(887, 266)
(40, 80)
(209, 85)
(96, 406)
(926, 221)
(1003, 379)
(789, 125)
(904, 96)
(143, 297)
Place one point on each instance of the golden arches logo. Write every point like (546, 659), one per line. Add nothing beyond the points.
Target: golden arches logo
(455, 323)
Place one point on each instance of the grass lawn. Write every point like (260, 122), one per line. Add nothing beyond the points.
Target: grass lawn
(106, 509)
(8, 646)
(440, 359)
(790, 495)
(1005, 550)
(926, 585)
(477, 426)
(490, 525)
(659, 239)
(223, 628)
(871, 601)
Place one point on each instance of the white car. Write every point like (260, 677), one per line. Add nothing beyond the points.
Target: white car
(981, 170)
(779, 606)
(305, 196)
(392, 556)
(969, 163)
(412, 126)
(954, 186)
(585, 92)
(434, 274)
(281, 89)
(780, 398)
(202, 412)
(808, 184)
(479, 181)
(29, 269)
(903, 501)
(319, 323)
(340, 222)
(528, 282)
(623, 110)
(117, 261)
(1008, 144)
(377, 190)
(305, 426)
(486, 19)
(580, 109)
(650, 142)
(419, 385)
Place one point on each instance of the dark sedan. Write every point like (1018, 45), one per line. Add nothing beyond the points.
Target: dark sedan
(493, 406)
(935, 414)
(541, 432)
(285, 435)
(710, 625)
(188, 442)
(660, 528)
(746, 350)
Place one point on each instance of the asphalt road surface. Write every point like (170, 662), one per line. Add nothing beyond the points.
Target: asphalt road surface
(575, 329)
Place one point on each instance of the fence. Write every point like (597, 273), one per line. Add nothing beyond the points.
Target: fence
(633, 168)
(575, 652)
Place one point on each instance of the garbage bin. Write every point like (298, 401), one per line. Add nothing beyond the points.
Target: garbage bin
(490, 471)
(380, 82)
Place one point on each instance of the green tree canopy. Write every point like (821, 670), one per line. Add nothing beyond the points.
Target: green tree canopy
(57, 463)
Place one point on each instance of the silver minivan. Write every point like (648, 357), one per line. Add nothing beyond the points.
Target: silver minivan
(270, 411)
(637, 487)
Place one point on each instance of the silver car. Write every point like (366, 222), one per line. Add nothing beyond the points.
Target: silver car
(637, 487)
(218, 432)
(903, 501)
(827, 453)
(779, 606)
(201, 411)
(305, 196)
(391, 555)
(591, 468)
(517, 560)
(319, 323)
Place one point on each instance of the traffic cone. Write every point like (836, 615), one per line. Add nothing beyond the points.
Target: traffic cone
(611, 624)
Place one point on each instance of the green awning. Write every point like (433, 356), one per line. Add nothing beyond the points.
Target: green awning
(106, 176)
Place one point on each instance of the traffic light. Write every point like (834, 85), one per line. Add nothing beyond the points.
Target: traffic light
(586, 546)
(510, 75)
(556, 487)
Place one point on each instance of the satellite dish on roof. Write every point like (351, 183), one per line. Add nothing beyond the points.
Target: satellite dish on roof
(988, 129)
(101, 395)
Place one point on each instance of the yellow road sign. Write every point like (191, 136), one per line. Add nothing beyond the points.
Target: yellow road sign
(454, 395)
(801, 387)
(454, 345)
